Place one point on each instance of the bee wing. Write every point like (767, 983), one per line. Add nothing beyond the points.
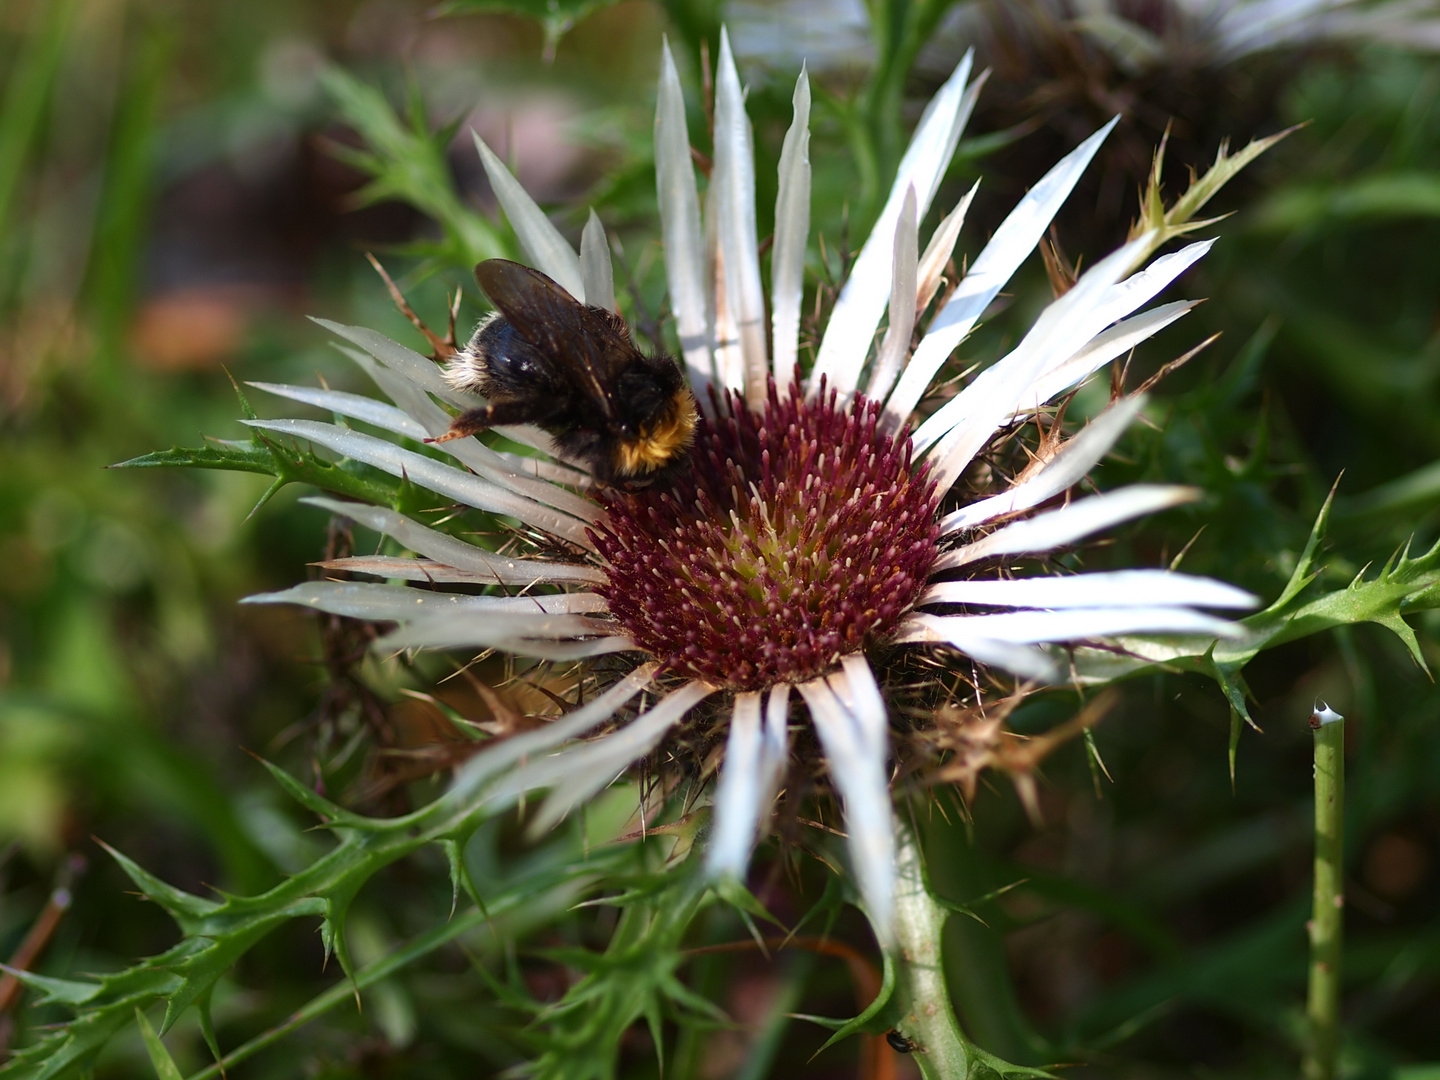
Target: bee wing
(589, 343)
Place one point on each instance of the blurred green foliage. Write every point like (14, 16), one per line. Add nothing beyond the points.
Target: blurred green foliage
(177, 187)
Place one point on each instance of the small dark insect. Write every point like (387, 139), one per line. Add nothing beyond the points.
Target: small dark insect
(546, 359)
(901, 1044)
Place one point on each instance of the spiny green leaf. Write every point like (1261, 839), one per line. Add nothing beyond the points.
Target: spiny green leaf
(875, 1017)
(1180, 218)
(1302, 575)
(337, 908)
(831, 1023)
(207, 1023)
(734, 893)
(223, 454)
(69, 1047)
(200, 971)
(268, 494)
(454, 848)
(1233, 685)
(1401, 629)
(246, 409)
(291, 465)
(200, 961)
(1095, 762)
(54, 991)
(699, 1007)
(1404, 584)
(983, 1064)
(222, 932)
(185, 908)
(68, 1050)
(409, 164)
(632, 980)
(555, 16)
(969, 906)
(655, 1022)
(334, 816)
(1227, 166)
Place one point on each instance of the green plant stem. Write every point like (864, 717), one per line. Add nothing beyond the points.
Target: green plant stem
(125, 198)
(1326, 923)
(927, 1015)
(876, 127)
(941, 1048)
(27, 92)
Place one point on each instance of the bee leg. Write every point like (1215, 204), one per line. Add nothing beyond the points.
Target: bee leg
(468, 423)
(495, 414)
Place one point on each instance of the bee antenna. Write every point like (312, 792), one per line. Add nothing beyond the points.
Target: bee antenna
(454, 314)
(443, 348)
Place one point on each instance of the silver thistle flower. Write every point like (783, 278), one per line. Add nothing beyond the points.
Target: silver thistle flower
(809, 534)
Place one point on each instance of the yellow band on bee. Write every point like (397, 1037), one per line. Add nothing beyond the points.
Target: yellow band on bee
(657, 446)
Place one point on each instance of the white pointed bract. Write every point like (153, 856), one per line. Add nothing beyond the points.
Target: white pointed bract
(680, 229)
(595, 271)
(547, 249)
(846, 342)
(998, 260)
(754, 764)
(792, 232)
(904, 291)
(854, 735)
(734, 183)
(571, 607)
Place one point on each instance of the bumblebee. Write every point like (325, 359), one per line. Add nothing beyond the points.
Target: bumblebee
(572, 369)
